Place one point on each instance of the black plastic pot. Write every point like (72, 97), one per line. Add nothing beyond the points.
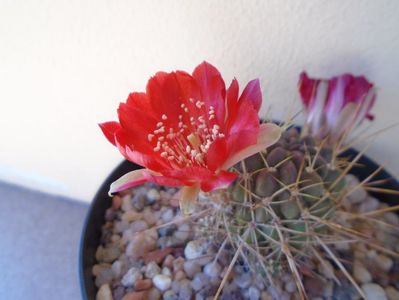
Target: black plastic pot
(91, 233)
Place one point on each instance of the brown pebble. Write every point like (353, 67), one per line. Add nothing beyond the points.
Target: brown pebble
(143, 284)
(116, 202)
(179, 275)
(136, 296)
(168, 262)
(157, 255)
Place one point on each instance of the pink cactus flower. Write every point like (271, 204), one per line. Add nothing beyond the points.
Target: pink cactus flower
(337, 105)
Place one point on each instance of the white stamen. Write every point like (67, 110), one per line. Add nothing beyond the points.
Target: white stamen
(150, 137)
(164, 154)
(164, 117)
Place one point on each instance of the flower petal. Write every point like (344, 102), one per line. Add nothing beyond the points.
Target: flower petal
(189, 195)
(109, 129)
(212, 89)
(128, 180)
(268, 135)
(219, 181)
(252, 94)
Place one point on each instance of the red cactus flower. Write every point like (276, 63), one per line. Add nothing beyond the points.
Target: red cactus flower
(337, 105)
(187, 130)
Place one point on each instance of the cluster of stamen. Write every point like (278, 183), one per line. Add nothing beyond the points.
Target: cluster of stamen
(186, 143)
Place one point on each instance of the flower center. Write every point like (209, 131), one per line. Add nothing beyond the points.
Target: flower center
(186, 142)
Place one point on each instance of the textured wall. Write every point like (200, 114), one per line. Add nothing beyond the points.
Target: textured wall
(65, 66)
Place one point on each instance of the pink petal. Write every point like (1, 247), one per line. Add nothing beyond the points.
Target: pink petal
(268, 135)
(219, 181)
(189, 195)
(128, 180)
(252, 94)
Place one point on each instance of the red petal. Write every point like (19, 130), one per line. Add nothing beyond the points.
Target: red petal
(245, 119)
(109, 129)
(189, 174)
(252, 94)
(221, 180)
(232, 99)
(165, 181)
(307, 88)
(217, 154)
(212, 89)
(164, 92)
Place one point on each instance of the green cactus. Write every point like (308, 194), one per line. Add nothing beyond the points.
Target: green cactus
(284, 195)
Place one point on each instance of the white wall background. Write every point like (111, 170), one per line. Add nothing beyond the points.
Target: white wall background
(65, 66)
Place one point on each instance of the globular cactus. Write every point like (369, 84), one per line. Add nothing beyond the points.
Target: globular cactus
(281, 201)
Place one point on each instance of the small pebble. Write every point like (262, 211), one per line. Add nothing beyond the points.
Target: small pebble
(166, 271)
(392, 293)
(132, 275)
(212, 269)
(127, 203)
(153, 195)
(185, 291)
(199, 281)
(152, 269)
(243, 280)
(290, 286)
(117, 268)
(131, 216)
(385, 263)
(374, 291)
(154, 294)
(369, 205)
(142, 284)
(104, 293)
(167, 215)
(170, 295)
(253, 293)
(162, 282)
(194, 249)
(361, 274)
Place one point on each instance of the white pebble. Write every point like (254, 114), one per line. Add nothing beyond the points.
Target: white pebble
(168, 215)
(104, 293)
(117, 268)
(374, 291)
(194, 249)
(212, 269)
(152, 269)
(166, 271)
(162, 282)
